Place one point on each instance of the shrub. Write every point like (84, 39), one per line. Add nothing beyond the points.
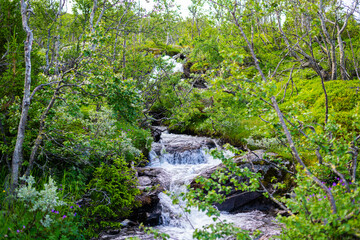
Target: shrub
(39, 214)
(112, 190)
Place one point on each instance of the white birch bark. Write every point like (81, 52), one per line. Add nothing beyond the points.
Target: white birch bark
(17, 155)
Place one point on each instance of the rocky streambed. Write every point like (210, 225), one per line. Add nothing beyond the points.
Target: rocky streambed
(175, 161)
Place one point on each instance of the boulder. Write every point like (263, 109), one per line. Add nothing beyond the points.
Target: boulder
(144, 181)
(151, 182)
(156, 133)
(238, 200)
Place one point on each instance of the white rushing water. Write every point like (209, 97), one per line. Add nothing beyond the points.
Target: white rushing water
(176, 67)
(183, 167)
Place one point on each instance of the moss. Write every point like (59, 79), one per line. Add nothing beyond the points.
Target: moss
(310, 100)
(158, 48)
(199, 67)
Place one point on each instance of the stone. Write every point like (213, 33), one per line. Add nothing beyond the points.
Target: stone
(239, 201)
(152, 181)
(171, 144)
(144, 181)
(156, 133)
(127, 223)
(235, 201)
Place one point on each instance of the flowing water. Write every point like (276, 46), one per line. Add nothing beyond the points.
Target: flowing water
(175, 66)
(184, 157)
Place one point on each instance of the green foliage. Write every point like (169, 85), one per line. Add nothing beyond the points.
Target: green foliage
(313, 216)
(154, 232)
(38, 214)
(112, 190)
(107, 87)
(158, 47)
(310, 101)
(124, 98)
(220, 231)
(206, 49)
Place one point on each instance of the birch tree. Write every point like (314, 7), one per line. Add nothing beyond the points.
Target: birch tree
(17, 159)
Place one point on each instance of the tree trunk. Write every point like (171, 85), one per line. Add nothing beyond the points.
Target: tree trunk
(329, 194)
(256, 61)
(330, 41)
(344, 74)
(40, 136)
(17, 155)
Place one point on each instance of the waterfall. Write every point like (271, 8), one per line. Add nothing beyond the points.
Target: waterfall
(176, 67)
(180, 159)
(185, 157)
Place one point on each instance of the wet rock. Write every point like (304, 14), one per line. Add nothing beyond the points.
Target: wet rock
(200, 83)
(181, 149)
(127, 223)
(153, 218)
(156, 134)
(237, 200)
(171, 143)
(158, 177)
(125, 233)
(144, 181)
(152, 181)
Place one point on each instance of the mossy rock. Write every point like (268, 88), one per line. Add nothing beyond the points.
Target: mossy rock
(158, 48)
(199, 67)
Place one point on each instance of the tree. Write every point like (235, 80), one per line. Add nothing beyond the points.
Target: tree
(17, 156)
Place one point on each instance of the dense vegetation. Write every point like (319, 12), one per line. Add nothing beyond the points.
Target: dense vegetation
(78, 95)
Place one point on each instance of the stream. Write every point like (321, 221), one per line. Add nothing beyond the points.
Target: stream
(175, 161)
(183, 158)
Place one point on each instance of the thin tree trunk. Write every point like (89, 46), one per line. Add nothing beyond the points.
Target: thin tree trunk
(330, 41)
(329, 195)
(17, 155)
(124, 52)
(256, 61)
(40, 136)
(344, 74)
(92, 15)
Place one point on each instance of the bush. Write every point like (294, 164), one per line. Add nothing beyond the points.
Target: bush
(112, 190)
(39, 214)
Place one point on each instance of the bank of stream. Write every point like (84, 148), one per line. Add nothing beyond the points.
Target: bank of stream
(176, 160)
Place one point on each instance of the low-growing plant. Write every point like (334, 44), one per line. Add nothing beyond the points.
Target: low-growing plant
(112, 191)
(39, 214)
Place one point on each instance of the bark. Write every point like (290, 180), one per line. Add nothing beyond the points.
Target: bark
(354, 58)
(256, 61)
(329, 40)
(91, 20)
(344, 74)
(329, 195)
(40, 136)
(17, 155)
(124, 52)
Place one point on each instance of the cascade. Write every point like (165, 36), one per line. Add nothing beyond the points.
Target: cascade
(184, 157)
(176, 67)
